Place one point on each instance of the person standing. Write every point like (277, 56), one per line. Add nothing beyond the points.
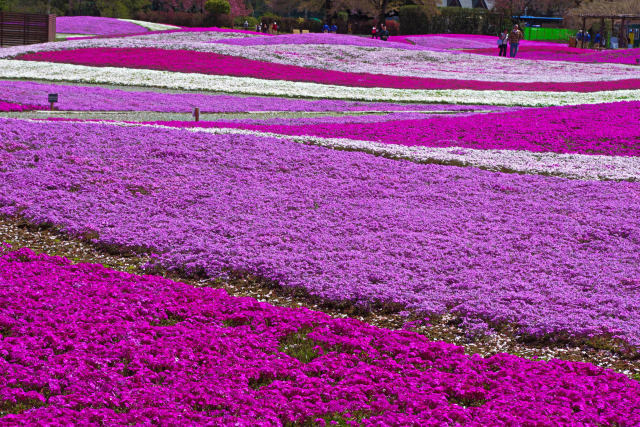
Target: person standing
(514, 40)
(245, 25)
(384, 33)
(503, 40)
(597, 41)
(275, 28)
(374, 32)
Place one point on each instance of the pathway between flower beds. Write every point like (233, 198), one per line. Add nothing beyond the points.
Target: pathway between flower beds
(558, 257)
(142, 348)
(216, 64)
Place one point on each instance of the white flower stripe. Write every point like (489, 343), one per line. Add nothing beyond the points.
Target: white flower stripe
(153, 26)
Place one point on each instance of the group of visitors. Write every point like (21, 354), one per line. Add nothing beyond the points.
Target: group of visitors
(584, 38)
(511, 38)
(263, 27)
(382, 33)
(333, 28)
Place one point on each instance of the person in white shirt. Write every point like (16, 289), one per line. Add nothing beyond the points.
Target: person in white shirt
(503, 40)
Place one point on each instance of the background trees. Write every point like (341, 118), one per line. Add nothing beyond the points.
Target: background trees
(535, 7)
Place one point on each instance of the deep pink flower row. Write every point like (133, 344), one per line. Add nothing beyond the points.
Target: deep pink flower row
(611, 129)
(82, 344)
(216, 64)
(11, 106)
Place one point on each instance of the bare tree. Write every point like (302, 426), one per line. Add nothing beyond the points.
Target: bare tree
(537, 7)
(606, 7)
(379, 8)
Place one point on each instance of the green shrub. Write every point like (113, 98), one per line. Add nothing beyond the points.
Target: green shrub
(238, 21)
(217, 7)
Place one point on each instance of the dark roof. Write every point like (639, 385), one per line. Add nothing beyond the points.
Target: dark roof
(539, 18)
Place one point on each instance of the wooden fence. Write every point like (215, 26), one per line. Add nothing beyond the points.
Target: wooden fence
(26, 28)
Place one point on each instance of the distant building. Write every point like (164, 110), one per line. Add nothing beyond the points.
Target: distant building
(467, 4)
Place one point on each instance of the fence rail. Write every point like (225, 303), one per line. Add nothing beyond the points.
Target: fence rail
(26, 28)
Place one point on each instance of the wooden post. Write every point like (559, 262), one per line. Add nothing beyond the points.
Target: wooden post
(196, 114)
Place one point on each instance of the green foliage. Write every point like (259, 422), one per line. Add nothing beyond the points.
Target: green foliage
(112, 8)
(270, 17)
(238, 21)
(121, 8)
(298, 345)
(414, 20)
(217, 7)
(24, 6)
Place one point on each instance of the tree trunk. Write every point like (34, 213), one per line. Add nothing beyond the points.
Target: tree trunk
(383, 11)
(623, 39)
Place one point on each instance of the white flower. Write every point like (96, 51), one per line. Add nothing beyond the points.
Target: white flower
(153, 26)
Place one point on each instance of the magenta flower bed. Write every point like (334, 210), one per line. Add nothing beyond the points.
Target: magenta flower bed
(93, 98)
(81, 344)
(564, 53)
(549, 256)
(10, 106)
(611, 129)
(212, 63)
(452, 42)
(96, 25)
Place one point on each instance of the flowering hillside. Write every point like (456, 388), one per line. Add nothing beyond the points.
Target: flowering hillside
(468, 224)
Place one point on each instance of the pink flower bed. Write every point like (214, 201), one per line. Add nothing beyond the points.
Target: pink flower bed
(529, 49)
(95, 98)
(10, 106)
(212, 63)
(565, 53)
(450, 42)
(96, 26)
(612, 129)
